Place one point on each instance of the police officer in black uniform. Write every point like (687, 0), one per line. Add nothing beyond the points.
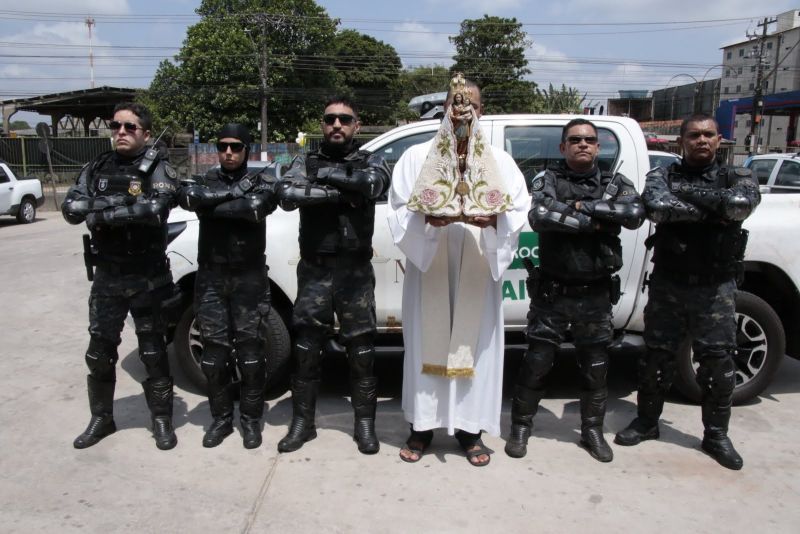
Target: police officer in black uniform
(698, 207)
(335, 188)
(124, 196)
(232, 297)
(578, 211)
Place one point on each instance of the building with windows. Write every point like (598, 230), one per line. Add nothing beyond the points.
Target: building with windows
(780, 64)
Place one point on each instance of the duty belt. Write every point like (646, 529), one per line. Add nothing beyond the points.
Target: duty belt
(219, 267)
(144, 268)
(334, 260)
(560, 289)
(693, 279)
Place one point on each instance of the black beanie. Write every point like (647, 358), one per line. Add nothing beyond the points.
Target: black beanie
(236, 131)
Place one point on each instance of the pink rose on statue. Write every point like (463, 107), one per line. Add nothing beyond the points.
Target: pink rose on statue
(428, 196)
(494, 197)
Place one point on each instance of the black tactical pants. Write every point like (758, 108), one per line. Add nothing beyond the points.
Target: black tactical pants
(337, 287)
(111, 297)
(587, 317)
(231, 306)
(675, 312)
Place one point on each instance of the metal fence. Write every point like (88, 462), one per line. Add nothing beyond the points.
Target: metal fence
(26, 156)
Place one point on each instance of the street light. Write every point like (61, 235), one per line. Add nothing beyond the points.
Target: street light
(672, 105)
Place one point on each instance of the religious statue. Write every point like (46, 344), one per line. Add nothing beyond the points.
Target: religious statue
(459, 178)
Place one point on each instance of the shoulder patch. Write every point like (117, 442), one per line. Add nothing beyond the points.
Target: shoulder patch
(742, 171)
(624, 179)
(538, 182)
(170, 170)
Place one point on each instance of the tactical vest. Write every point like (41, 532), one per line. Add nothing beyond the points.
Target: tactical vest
(337, 228)
(130, 243)
(583, 256)
(704, 248)
(234, 242)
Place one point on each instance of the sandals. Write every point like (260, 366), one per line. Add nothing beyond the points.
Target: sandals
(412, 444)
(468, 442)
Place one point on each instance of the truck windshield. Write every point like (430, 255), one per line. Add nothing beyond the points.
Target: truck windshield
(536, 147)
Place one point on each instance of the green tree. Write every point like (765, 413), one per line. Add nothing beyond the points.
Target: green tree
(19, 125)
(564, 100)
(491, 51)
(369, 72)
(215, 77)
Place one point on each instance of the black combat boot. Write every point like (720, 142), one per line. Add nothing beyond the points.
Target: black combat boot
(219, 399)
(304, 401)
(523, 408)
(101, 400)
(365, 400)
(158, 393)
(716, 442)
(251, 409)
(649, 406)
(593, 411)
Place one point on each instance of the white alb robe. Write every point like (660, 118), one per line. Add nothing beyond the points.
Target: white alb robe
(429, 401)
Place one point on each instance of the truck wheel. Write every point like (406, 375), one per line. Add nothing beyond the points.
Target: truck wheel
(761, 347)
(27, 211)
(189, 351)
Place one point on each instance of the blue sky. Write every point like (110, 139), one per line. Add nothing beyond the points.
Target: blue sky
(580, 43)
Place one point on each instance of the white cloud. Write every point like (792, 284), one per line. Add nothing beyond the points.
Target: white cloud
(418, 44)
(90, 7)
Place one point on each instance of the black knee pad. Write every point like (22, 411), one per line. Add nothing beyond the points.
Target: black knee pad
(252, 365)
(153, 353)
(656, 369)
(593, 363)
(717, 374)
(214, 363)
(361, 357)
(536, 364)
(308, 355)
(101, 359)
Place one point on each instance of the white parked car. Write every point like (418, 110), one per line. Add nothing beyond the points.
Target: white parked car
(776, 173)
(532, 140)
(19, 196)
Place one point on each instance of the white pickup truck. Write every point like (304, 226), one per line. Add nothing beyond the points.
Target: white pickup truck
(768, 304)
(19, 197)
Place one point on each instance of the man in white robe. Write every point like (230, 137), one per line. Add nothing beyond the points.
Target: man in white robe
(471, 404)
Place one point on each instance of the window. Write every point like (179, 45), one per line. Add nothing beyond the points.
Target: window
(735, 124)
(766, 85)
(751, 86)
(725, 91)
(392, 152)
(769, 45)
(738, 88)
(741, 52)
(3, 178)
(727, 73)
(788, 179)
(728, 55)
(536, 147)
(762, 168)
(753, 68)
(739, 70)
(747, 124)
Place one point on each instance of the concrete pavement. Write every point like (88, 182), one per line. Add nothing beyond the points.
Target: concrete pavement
(124, 484)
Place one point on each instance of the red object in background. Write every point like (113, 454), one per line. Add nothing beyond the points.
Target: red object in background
(654, 139)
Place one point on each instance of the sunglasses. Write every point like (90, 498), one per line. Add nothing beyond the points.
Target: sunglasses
(576, 139)
(344, 119)
(235, 146)
(129, 126)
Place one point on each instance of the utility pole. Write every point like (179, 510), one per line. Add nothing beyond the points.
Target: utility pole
(89, 23)
(263, 70)
(758, 96)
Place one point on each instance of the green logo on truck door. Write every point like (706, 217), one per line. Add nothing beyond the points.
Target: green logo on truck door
(528, 248)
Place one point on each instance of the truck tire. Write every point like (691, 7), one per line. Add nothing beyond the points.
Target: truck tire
(27, 211)
(761, 347)
(189, 350)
